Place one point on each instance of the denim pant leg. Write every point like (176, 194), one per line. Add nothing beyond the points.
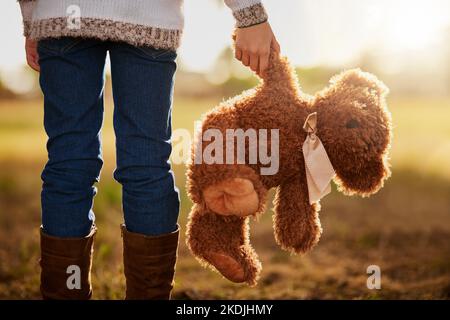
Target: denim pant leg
(72, 80)
(142, 80)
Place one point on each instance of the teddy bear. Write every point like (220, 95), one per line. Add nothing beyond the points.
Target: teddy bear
(342, 133)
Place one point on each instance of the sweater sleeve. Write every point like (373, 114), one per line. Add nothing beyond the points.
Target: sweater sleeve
(27, 6)
(247, 12)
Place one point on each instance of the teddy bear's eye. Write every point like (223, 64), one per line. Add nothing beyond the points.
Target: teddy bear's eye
(352, 124)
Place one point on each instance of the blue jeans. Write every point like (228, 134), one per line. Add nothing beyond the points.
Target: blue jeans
(72, 79)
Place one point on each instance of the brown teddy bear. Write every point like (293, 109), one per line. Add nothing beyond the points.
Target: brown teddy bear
(343, 133)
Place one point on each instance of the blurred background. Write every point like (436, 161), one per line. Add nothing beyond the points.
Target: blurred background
(404, 229)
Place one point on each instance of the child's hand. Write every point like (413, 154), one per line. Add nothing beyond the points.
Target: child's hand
(32, 54)
(253, 45)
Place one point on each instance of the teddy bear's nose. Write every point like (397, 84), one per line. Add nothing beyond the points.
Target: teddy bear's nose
(352, 124)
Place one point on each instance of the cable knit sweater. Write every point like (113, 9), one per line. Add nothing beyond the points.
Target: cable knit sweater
(155, 23)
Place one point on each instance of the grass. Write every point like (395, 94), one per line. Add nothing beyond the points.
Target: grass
(405, 228)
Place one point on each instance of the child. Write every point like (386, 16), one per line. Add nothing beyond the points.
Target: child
(68, 45)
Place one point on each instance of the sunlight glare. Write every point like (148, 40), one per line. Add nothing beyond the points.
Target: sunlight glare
(413, 27)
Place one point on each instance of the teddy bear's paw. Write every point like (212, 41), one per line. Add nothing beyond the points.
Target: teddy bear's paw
(227, 266)
(299, 242)
(234, 196)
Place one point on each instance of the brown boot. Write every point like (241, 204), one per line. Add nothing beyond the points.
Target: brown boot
(66, 267)
(149, 263)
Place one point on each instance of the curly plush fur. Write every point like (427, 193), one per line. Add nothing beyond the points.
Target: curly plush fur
(354, 126)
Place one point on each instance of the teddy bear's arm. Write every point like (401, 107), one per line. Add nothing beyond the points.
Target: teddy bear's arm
(296, 222)
(222, 242)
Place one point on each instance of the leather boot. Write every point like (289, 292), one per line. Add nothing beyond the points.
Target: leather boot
(149, 263)
(66, 267)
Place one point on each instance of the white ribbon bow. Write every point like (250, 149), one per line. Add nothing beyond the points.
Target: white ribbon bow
(319, 170)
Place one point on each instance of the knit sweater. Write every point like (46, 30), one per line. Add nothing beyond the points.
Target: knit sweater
(154, 23)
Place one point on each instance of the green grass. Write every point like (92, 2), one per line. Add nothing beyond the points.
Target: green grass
(405, 228)
(421, 131)
(421, 135)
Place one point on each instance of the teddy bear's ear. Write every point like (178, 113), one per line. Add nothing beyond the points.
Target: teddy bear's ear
(362, 87)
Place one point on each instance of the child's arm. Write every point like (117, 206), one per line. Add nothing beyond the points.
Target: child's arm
(26, 6)
(247, 12)
(254, 36)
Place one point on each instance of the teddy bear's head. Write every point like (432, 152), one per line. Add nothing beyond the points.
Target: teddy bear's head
(355, 128)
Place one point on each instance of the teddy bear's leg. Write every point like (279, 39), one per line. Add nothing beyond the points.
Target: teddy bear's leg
(239, 193)
(223, 242)
(296, 222)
